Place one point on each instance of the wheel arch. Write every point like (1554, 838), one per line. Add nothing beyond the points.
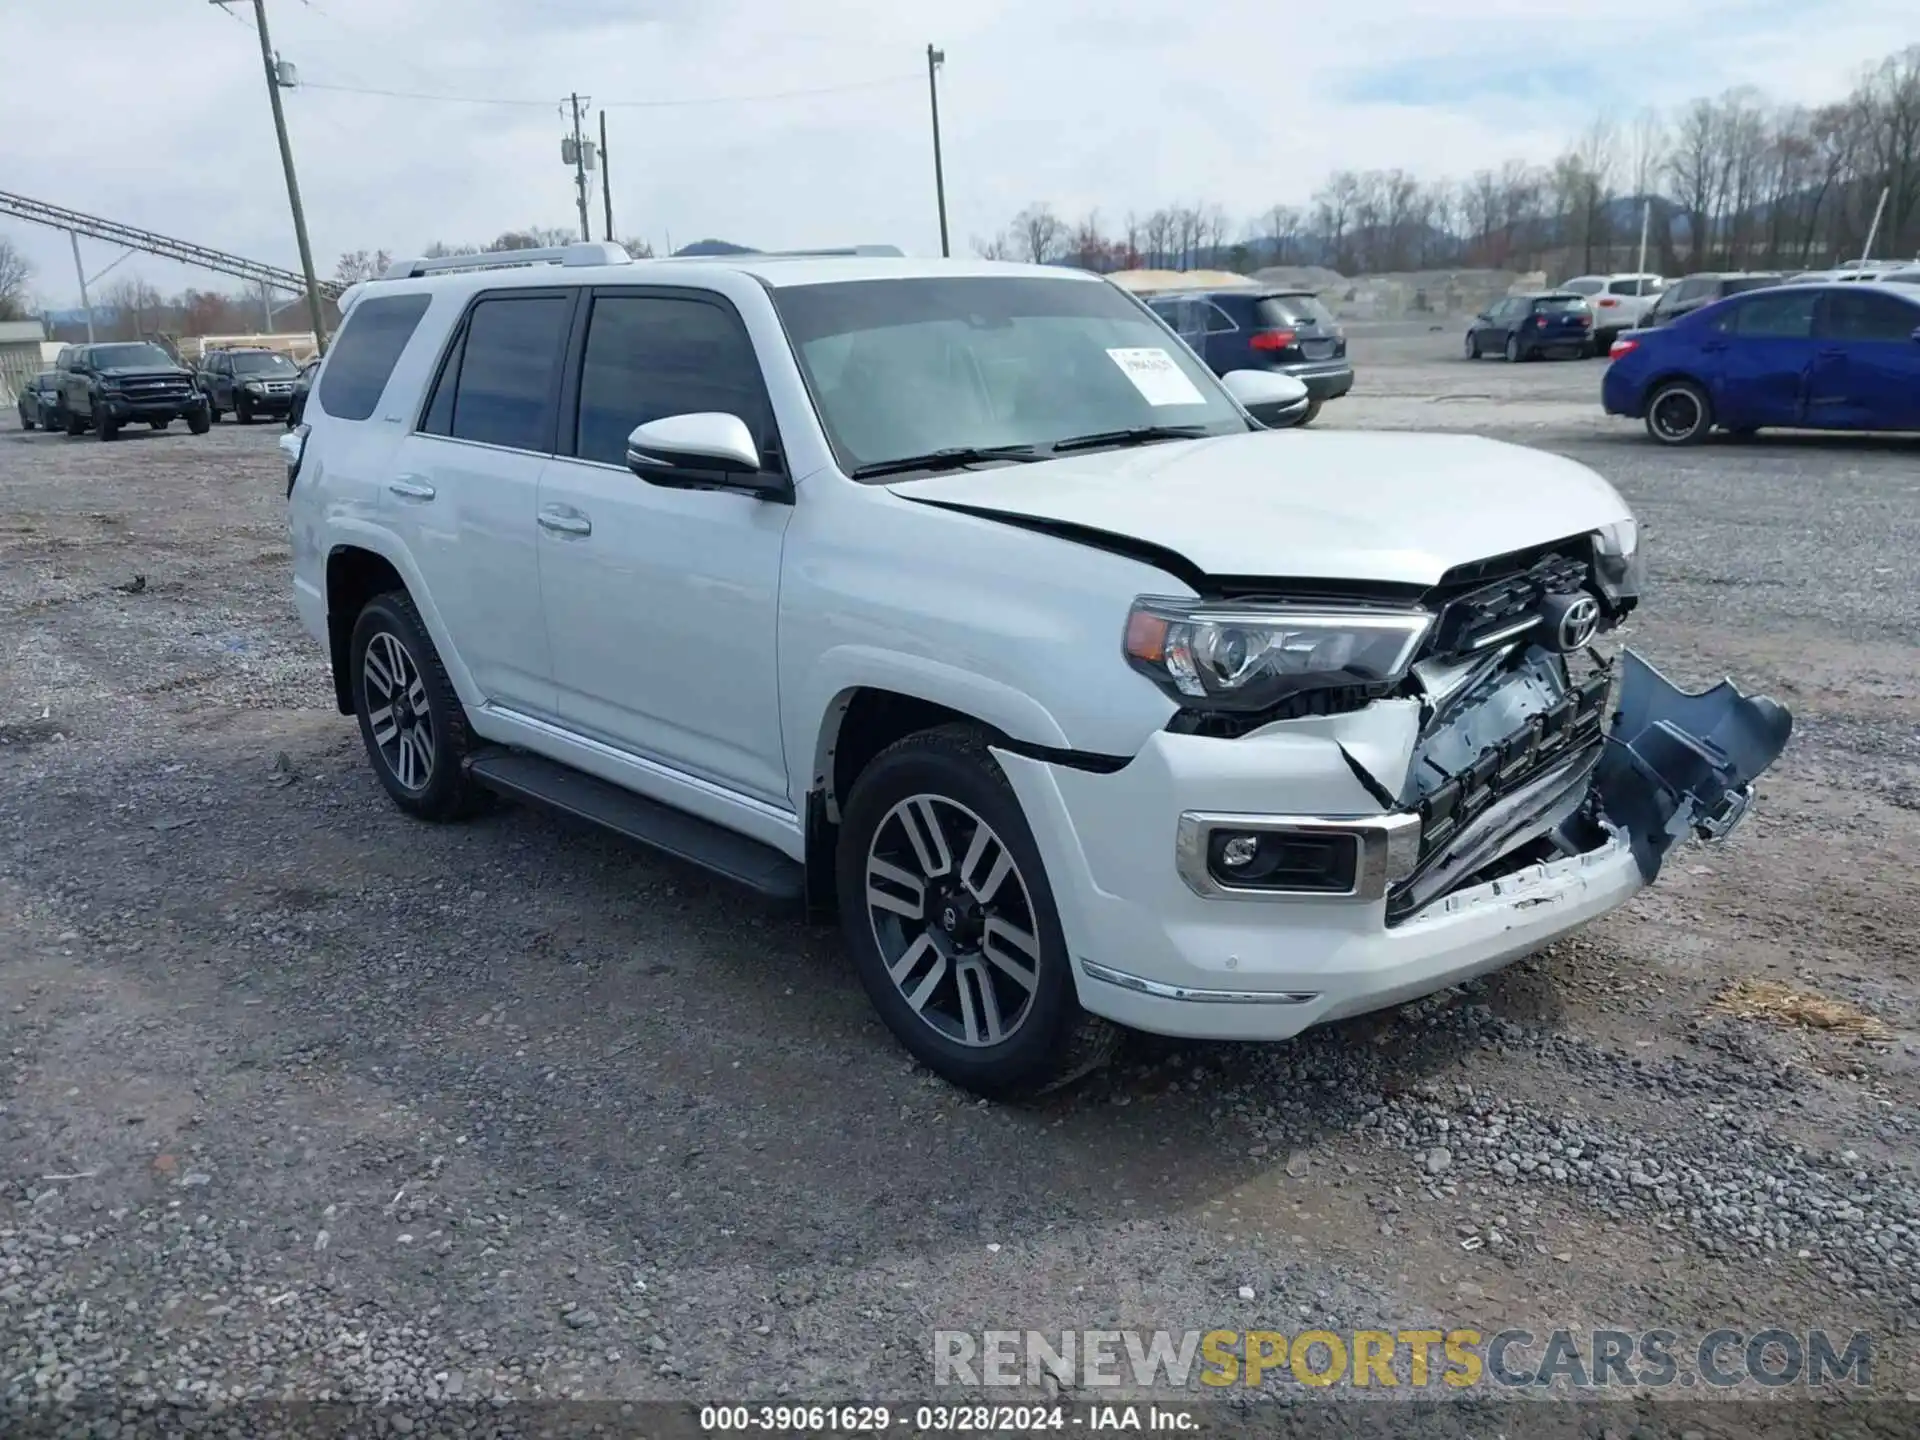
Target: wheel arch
(363, 562)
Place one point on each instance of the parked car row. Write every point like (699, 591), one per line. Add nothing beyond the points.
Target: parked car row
(1288, 332)
(105, 387)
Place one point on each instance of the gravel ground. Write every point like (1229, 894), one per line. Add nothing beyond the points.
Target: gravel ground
(304, 1101)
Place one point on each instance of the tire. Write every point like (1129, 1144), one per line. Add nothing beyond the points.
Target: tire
(213, 413)
(242, 411)
(421, 759)
(26, 421)
(1472, 346)
(1670, 421)
(105, 429)
(1313, 414)
(1514, 353)
(1024, 989)
(199, 421)
(75, 425)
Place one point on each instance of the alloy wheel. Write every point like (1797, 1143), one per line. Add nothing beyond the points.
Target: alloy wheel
(1676, 414)
(953, 919)
(396, 701)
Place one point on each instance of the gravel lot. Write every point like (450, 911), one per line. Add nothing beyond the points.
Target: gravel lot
(305, 1100)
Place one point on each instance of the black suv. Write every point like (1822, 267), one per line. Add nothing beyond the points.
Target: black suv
(104, 387)
(1685, 296)
(1254, 329)
(249, 382)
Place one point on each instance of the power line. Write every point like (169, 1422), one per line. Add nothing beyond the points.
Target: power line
(611, 104)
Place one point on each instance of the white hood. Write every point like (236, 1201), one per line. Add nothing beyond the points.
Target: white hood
(1324, 505)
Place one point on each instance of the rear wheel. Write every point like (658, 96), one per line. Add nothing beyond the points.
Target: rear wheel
(1679, 413)
(1514, 353)
(946, 907)
(411, 721)
(1312, 413)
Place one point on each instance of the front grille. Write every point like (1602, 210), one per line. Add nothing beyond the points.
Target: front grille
(156, 387)
(1513, 762)
(1506, 607)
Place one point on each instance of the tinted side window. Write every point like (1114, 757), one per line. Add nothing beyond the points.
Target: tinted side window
(365, 353)
(1777, 317)
(650, 356)
(1218, 321)
(1283, 312)
(509, 371)
(1864, 315)
(1624, 287)
(1590, 287)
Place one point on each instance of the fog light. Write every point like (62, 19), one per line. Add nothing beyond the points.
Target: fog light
(1238, 851)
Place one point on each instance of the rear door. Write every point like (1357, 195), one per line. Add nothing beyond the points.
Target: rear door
(1866, 364)
(1760, 359)
(463, 491)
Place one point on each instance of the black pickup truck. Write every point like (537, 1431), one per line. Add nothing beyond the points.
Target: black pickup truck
(105, 387)
(248, 383)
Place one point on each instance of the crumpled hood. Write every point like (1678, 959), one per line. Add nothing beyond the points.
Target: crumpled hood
(1391, 508)
(139, 372)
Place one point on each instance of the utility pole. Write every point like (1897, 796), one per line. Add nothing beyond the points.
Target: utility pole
(579, 157)
(935, 59)
(274, 85)
(1646, 217)
(86, 304)
(1873, 231)
(606, 180)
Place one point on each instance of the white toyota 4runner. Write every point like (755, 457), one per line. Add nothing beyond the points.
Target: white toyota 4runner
(961, 600)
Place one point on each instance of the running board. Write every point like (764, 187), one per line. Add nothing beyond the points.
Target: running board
(521, 776)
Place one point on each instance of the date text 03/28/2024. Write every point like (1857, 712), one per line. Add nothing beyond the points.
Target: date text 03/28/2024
(924, 1419)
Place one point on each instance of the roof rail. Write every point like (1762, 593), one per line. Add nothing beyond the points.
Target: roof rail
(594, 252)
(893, 251)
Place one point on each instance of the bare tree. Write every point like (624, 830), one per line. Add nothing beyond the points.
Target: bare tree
(1283, 224)
(15, 271)
(357, 265)
(1039, 234)
(994, 247)
(636, 247)
(136, 308)
(1333, 208)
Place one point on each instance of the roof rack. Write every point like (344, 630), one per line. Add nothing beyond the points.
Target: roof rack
(893, 251)
(594, 252)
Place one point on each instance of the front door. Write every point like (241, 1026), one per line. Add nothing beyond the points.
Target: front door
(1761, 351)
(1866, 367)
(463, 490)
(661, 604)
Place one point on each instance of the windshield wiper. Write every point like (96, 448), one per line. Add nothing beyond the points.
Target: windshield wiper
(1137, 435)
(953, 458)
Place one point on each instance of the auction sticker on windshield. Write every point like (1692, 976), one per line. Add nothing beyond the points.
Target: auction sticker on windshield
(1156, 377)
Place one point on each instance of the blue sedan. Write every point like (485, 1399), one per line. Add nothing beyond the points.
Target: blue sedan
(1814, 357)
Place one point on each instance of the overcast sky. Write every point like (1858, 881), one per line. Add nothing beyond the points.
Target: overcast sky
(153, 112)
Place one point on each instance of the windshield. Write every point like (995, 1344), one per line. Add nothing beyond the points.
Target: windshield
(268, 364)
(119, 357)
(902, 368)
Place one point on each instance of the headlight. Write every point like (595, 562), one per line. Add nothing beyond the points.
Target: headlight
(1249, 656)
(255, 386)
(1617, 562)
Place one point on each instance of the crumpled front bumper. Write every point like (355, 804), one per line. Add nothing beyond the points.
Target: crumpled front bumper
(1157, 947)
(1675, 762)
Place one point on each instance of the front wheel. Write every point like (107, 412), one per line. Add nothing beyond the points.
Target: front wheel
(242, 411)
(105, 428)
(1472, 346)
(948, 912)
(75, 425)
(1679, 413)
(199, 421)
(411, 721)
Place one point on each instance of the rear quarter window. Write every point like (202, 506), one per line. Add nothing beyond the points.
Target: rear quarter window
(1592, 287)
(365, 353)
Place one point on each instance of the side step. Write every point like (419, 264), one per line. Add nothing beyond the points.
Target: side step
(521, 776)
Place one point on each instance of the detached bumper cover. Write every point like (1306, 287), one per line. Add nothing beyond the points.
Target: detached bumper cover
(1676, 762)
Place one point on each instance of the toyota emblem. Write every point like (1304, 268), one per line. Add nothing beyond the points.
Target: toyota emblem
(1579, 622)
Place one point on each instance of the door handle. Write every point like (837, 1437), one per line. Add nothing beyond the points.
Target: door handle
(410, 488)
(565, 522)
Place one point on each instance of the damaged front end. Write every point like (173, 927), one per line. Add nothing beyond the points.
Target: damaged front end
(1533, 748)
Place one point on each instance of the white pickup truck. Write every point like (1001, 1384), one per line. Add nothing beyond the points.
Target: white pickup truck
(1619, 302)
(961, 600)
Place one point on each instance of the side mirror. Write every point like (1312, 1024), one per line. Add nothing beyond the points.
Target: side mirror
(1484, 315)
(708, 450)
(1275, 400)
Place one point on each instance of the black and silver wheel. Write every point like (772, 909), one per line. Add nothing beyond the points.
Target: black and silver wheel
(1471, 347)
(1679, 413)
(199, 421)
(106, 428)
(1514, 353)
(410, 719)
(946, 906)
